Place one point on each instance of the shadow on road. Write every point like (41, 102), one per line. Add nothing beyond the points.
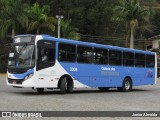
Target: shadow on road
(57, 92)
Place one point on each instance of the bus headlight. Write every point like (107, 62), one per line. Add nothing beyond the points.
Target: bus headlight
(28, 76)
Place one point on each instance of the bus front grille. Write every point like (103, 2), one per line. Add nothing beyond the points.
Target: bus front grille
(15, 81)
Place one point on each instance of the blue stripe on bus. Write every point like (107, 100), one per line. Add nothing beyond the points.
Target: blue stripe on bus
(23, 75)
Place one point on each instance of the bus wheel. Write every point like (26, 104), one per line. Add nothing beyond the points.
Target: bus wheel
(103, 88)
(127, 85)
(63, 85)
(69, 87)
(40, 90)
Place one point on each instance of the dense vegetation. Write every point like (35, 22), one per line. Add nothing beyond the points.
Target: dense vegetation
(115, 22)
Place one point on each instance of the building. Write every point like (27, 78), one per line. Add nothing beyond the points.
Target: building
(153, 44)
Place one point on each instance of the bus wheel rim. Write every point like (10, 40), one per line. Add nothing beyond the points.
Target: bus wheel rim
(127, 85)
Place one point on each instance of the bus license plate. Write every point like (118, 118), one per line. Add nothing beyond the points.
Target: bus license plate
(14, 82)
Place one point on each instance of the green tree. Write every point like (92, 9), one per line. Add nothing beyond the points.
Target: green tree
(132, 12)
(69, 31)
(12, 14)
(39, 18)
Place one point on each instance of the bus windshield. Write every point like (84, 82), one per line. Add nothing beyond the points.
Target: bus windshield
(21, 56)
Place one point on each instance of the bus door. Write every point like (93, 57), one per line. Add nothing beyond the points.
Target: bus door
(45, 62)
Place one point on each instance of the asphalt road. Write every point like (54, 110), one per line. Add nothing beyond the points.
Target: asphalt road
(143, 98)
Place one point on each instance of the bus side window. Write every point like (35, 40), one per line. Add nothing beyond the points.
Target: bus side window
(150, 61)
(128, 59)
(84, 54)
(115, 57)
(67, 52)
(139, 60)
(100, 56)
(51, 55)
(46, 54)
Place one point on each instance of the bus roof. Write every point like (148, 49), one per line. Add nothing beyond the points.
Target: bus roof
(95, 45)
(48, 37)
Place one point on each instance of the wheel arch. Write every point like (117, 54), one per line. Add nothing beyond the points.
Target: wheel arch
(69, 80)
(128, 78)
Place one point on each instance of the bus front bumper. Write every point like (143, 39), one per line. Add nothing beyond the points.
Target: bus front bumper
(20, 83)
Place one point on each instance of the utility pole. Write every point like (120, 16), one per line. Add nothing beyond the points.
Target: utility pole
(59, 17)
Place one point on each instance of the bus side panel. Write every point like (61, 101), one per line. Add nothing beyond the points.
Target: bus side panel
(94, 75)
(143, 76)
(109, 76)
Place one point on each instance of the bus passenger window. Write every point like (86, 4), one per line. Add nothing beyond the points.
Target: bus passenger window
(84, 54)
(100, 56)
(139, 60)
(115, 57)
(128, 59)
(150, 61)
(67, 52)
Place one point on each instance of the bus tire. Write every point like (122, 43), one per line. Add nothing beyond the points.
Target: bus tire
(127, 85)
(103, 88)
(40, 90)
(69, 87)
(63, 85)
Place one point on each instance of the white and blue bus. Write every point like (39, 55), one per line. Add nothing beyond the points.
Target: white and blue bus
(45, 62)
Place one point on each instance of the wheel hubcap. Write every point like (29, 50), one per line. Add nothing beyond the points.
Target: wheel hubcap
(127, 85)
